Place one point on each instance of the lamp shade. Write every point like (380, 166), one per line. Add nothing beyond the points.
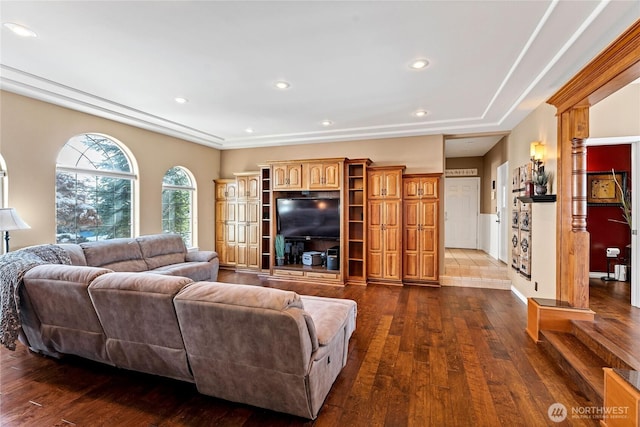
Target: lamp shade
(10, 220)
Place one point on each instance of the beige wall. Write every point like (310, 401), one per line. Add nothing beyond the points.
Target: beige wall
(616, 115)
(32, 133)
(494, 158)
(420, 154)
(540, 125)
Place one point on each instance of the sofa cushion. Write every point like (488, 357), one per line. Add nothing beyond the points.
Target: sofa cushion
(115, 254)
(69, 323)
(196, 271)
(243, 295)
(330, 315)
(139, 320)
(75, 253)
(159, 250)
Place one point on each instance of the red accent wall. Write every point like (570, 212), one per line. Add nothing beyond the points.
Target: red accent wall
(605, 233)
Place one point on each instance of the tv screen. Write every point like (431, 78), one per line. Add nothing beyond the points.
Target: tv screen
(302, 218)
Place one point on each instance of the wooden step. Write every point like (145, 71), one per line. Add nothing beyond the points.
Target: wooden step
(582, 365)
(610, 343)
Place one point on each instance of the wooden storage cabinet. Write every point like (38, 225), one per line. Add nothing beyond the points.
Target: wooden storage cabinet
(385, 183)
(320, 174)
(420, 228)
(287, 176)
(248, 186)
(248, 218)
(238, 221)
(324, 175)
(384, 227)
(226, 239)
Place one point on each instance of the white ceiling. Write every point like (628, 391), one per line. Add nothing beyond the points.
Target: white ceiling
(491, 63)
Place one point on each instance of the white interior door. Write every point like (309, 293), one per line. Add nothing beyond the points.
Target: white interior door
(502, 211)
(462, 206)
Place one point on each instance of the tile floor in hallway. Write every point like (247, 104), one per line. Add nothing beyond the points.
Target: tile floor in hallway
(474, 268)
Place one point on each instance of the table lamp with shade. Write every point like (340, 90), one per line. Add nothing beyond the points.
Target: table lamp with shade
(10, 220)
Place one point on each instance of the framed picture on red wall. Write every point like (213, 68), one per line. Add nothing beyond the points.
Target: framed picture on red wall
(602, 189)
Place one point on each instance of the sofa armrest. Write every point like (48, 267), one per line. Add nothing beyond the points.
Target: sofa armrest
(201, 256)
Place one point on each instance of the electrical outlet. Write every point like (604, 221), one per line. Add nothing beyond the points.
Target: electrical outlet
(535, 287)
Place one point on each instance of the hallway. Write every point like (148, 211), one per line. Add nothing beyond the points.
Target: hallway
(475, 269)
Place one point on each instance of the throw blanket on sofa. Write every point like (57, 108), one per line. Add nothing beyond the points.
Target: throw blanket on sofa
(13, 266)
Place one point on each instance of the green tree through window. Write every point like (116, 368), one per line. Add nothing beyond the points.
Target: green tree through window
(177, 204)
(94, 181)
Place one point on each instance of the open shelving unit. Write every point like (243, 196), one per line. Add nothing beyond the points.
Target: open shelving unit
(265, 230)
(355, 173)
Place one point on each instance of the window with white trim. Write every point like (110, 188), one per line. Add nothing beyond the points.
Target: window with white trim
(94, 190)
(177, 204)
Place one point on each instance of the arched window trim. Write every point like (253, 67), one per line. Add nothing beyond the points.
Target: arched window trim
(132, 176)
(194, 200)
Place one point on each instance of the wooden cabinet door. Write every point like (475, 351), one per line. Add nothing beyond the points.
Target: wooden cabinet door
(315, 173)
(429, 187)
(375, 184)
(384, 250)
(287, 176)
(324, 176)
(420, 187)
(391, 240)
(279, 177)
(420, 244)
(411, 188)
(411, 240)
(428, 240)
(225, 189)
(332, 175)
(393, 184)
(375, 240)
(248, 186)
(384, 184)
(294, 176)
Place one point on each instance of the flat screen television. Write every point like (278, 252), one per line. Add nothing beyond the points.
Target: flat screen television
(308, 218)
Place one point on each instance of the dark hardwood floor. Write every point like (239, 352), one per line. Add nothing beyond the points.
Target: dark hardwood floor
(420, 356)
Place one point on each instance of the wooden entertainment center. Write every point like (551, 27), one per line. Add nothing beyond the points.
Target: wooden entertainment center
(388, 230)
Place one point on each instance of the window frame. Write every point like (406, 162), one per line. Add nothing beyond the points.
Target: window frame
(192, 189)
(131, 176)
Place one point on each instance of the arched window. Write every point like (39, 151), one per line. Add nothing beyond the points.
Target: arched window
(94, 190)
(177, 204)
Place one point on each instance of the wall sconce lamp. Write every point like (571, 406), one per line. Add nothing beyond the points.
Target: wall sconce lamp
(537, 155)
(10, 220)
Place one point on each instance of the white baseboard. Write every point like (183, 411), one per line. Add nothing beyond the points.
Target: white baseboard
(519, 295)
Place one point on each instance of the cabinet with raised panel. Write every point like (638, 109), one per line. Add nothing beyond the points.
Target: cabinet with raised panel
(225, 221)
(287, 176)
(324, 175)
(384, 228)
(385, 183)
(420, 228)
(248, 220)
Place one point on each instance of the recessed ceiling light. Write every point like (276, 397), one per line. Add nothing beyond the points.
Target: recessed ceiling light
(326, 123)
(420, 113)
(249, 130)
(20, 30)
(181, 100)
(282, 84)
(419, 64)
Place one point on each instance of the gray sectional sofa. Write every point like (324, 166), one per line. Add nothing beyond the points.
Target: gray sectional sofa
(261, 346)
(157, 253)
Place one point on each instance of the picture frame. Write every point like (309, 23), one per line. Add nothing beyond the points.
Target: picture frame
(602, 189)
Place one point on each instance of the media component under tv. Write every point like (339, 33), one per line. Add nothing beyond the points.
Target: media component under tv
(308, 218)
